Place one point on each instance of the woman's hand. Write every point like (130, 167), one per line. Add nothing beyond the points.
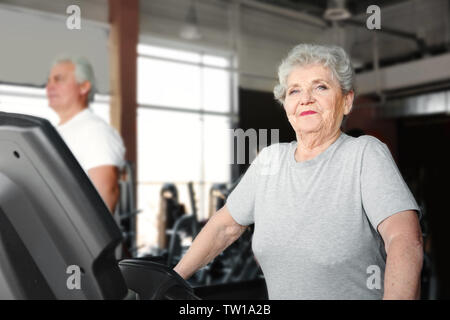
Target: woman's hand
(220, 231)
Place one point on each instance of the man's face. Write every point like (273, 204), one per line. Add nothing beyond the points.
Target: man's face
(63, 91)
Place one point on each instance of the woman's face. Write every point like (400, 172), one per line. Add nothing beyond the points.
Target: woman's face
(314, 102)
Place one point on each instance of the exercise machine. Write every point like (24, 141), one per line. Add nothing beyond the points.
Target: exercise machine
(57, 237)
(235, 264)
(126, 213)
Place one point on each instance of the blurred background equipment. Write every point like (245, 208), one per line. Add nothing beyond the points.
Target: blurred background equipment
(235, 264)
(170, 211)
(126, 212)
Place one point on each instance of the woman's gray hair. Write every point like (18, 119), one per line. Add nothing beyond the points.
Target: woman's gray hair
(83, 71)
(333, 57)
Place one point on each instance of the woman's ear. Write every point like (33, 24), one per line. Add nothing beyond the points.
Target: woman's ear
(348, 102)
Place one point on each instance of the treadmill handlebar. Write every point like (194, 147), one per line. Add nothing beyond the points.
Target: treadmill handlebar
(155, 281)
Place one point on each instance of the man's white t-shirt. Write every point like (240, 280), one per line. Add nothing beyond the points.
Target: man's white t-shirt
(92, 141)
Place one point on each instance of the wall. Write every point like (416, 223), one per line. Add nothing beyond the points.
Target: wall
(367, 119)
(32, 39)
(259, 110)
(259, 39)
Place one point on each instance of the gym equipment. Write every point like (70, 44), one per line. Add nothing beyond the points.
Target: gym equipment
(217, 196)
(187, 226)
(170, 210)
(57, 237)
(154, 281)
(219, 193)
(126, 212)
(235, 264)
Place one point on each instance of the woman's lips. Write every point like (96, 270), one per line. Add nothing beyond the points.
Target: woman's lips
(305, 113)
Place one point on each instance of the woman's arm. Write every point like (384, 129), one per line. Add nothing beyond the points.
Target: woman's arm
(220, 231)
(403, 244)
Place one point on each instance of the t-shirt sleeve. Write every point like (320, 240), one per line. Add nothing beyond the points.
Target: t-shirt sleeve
(383, 190)
(105, 147)
(241, 202)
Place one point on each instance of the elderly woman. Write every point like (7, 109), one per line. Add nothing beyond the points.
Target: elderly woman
(333, 217)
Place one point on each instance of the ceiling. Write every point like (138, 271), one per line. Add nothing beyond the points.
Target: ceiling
(410, 29)
(317, 7)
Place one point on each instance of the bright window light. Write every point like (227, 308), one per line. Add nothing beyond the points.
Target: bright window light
(216, 61)
(168, 84)
(216, 90)
(183, 144)
(168, 145)
(166, 53)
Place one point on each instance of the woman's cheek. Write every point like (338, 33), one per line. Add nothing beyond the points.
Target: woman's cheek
(290, 109)
(291, 119)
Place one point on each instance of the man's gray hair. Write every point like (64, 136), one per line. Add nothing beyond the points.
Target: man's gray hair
(333, 57)
(83, 71)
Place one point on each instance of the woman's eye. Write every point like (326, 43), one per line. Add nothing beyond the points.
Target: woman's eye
(293, 91)
(322, 87)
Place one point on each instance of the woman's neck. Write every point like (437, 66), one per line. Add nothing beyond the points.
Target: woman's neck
(310, 145)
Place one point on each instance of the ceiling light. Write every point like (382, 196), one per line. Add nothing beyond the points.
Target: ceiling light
(190, 30)
(336, 11)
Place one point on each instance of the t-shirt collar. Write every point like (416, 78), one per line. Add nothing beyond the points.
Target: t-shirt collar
(317, 159)
(77, 117)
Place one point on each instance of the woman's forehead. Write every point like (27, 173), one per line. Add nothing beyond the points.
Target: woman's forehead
(310, 73)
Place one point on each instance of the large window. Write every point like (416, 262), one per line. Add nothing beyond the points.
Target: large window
(184, 115)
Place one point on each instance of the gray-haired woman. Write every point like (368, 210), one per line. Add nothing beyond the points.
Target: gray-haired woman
(333, 217)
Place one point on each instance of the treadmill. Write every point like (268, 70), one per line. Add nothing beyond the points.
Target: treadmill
(55, 228)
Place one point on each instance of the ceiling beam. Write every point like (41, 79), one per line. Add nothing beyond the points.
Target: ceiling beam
(299, 16)
(405, 75)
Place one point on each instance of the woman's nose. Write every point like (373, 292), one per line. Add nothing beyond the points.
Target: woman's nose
(306, 97)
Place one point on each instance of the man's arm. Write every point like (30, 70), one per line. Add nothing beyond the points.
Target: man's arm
(105, 180)
(403, 243)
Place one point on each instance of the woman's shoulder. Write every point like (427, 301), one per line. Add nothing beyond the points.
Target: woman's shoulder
(363, 141)
(365, 144)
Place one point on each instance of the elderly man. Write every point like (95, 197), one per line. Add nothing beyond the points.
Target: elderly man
(97, 146)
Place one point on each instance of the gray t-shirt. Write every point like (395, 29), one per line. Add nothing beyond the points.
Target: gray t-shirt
(316, 221)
